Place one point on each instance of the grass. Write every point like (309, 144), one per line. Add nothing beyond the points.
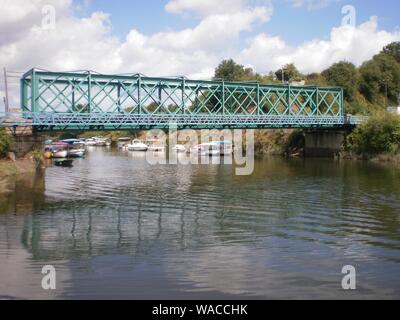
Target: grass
(387, 158)
(19, 167)
(8, 168)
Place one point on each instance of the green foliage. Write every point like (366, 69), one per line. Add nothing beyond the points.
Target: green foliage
(361, 106)
(7, 169)
(82, 108)
(393, 50)
(381, 134)
(365, 88)
(378, 76)
(316, 79)
(290, 73)
(345, 75)
(229, 70)
(37, 155)
(5, 143)
(152, 107)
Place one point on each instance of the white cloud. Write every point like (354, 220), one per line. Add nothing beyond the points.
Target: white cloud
(86, 43)
(354, 44)
(19, 16)
(213, 32)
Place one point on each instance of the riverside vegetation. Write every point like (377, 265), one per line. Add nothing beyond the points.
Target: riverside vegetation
(378, 139)
(368, 91)
(10, 167)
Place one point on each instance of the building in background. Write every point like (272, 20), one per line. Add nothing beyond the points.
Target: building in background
(395, 109)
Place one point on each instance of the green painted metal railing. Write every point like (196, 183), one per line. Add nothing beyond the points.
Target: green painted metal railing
(88, 100)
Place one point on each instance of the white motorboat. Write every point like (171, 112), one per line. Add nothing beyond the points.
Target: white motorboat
(138, 145)
(156, 148)
(179, 148)
(102, 142)
(60, 154)
(199, 150)
(123, 143)
(91, 142)
(225, 147)
(98, 142)
(219, 148)
(76, 153)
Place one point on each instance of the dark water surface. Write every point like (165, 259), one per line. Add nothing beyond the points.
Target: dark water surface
(116, 227)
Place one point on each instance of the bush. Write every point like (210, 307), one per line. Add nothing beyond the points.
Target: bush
(5, 143)
(345, 75)
(381, 134)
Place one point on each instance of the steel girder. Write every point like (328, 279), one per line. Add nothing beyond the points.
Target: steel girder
(87, 99)
(67, 121)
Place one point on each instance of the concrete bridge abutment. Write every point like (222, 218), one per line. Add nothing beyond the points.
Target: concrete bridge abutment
(321, 143)
(24, 140)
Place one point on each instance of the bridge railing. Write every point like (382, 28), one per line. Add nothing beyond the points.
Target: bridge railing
(89, 92)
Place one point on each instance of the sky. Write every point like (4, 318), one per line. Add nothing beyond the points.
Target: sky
(190, 37)
(316, 18)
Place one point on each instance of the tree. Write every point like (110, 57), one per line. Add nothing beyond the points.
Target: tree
(393, 50)
(343, 74)
(381, 134)
(380, 76)
(5, 143)
(289, 73)
(82, 108)
(229, 70)
(316, 79)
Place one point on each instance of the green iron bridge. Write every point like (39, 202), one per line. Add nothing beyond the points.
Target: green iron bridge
(62, 101)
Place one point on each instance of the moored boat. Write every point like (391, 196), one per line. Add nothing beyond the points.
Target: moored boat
(76, 153)
(179, 148)
(60, 154)
(63, 162)
(91, 142)
(71, 141)
(123, 142)
(196, 150)
(137, 145)
(216, 148)
(225, 147)
(156, 148)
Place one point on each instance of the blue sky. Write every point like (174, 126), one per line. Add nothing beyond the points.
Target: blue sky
(294, 24)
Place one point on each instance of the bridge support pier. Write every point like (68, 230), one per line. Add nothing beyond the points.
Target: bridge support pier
(24, 140)
(323, 143)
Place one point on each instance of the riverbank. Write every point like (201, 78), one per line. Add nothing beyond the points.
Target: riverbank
(21, 166)
(21, 184)
(385, 158)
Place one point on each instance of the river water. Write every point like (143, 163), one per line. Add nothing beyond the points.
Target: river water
(114, 226)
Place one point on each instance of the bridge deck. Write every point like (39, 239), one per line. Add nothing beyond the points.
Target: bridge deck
(84, 122)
